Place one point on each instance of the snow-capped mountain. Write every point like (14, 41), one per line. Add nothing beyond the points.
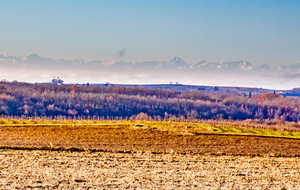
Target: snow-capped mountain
(34, 68)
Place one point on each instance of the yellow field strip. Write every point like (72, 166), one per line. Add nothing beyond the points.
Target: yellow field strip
(249, 135)
(126, 124)
(58, 125)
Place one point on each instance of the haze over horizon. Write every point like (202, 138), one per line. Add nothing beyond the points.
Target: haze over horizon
(263, 34)
(34, 68)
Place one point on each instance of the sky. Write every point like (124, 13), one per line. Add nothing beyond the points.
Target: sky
(262, 32)
(258, 31)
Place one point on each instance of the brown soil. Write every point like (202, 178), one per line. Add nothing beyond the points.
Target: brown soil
(127, 138)
(176, 158)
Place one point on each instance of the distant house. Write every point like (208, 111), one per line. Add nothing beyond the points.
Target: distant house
(281, 92)
(57, 81)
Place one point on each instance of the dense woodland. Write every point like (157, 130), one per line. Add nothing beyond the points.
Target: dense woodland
(24, 99)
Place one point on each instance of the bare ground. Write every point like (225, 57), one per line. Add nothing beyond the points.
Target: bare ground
(145, 139)
(23, 169)
(154, 159)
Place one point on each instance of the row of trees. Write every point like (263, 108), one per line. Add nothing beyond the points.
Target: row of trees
(67, 100)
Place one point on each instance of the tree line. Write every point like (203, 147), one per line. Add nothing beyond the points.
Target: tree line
(34, 100)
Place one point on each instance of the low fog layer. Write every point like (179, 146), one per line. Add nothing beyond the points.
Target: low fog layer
(34, 68)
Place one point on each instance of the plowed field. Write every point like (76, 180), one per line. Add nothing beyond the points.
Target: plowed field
(143, 156)
(23, 169)
(128, 138)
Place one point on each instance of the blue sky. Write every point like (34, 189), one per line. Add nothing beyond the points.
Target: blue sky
(261, 32)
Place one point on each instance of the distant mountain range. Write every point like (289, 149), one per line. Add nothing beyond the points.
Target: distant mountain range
(34, 68)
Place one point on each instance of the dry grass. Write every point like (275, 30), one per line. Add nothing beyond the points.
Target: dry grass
(246, 127)
(69, 170)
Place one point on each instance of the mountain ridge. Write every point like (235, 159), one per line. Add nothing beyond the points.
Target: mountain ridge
(175, 62)
(34, 68)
